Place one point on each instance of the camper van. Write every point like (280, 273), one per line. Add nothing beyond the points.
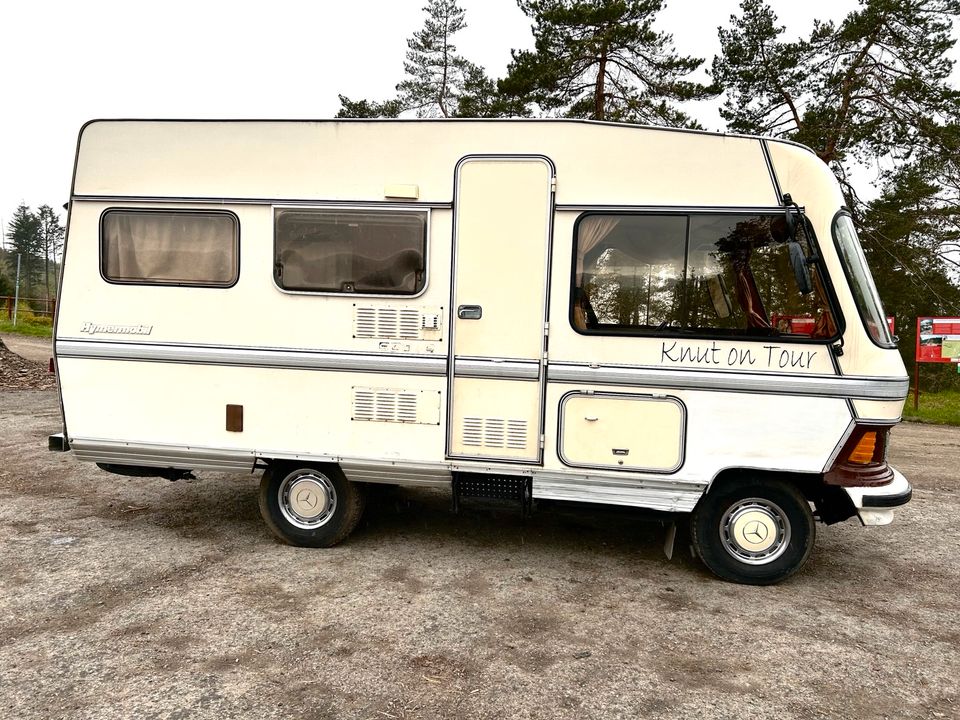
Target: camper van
(519, 309)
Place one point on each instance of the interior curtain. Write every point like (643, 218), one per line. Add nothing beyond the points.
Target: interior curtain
(591, 232)
(169, 247)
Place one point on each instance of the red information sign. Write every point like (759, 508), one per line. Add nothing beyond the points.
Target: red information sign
(938, 339)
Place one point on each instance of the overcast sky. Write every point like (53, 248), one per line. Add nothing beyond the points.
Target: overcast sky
(63, 63)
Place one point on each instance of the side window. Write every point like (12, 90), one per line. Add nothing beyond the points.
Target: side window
(350, 251)
(733, 275)
(170, 247)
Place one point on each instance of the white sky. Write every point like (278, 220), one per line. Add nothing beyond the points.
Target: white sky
(63, 63)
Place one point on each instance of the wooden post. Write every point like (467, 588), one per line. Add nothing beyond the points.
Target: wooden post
(916, 389)
(9, 308)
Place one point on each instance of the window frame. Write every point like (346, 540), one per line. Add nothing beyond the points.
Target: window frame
(169, 211)
(372, 209)
(720, 334)
(873, 283)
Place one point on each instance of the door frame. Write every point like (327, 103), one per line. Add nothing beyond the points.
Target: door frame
(548, 269)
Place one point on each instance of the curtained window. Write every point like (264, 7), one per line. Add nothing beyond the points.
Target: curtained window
(170, 247)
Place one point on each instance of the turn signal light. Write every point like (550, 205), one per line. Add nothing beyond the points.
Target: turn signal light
(863, 453)
(862, 461)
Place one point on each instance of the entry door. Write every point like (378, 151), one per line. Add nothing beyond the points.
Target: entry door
(503, 209)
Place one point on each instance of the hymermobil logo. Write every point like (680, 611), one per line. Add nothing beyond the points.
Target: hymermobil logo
(95, 328)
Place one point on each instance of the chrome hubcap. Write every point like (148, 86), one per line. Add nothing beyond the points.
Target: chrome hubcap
(755, 531)
(307, 500)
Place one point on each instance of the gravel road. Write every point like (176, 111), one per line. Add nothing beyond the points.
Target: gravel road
(123, 598)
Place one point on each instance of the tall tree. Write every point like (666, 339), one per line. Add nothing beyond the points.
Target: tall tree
(439, 82)
(875, 85)
(23, 234)
(49, 241)
(603, 59)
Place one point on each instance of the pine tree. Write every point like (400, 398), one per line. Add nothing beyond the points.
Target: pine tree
(439, 82)
(603, 60)
(50, 241)
(23, 236)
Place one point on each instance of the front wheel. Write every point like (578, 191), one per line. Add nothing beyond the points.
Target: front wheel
(753, 532)
(309, 506)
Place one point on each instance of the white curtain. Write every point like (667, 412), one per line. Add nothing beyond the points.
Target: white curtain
(170, 247)
(591, 232)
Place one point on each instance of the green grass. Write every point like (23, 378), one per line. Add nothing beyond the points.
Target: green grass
(25, 327)
(942, 408)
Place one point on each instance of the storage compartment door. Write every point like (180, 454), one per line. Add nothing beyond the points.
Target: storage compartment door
(622, 432)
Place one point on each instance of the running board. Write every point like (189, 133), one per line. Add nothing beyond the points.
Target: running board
(512, 488)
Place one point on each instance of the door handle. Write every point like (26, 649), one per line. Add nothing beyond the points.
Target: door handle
(469, 312)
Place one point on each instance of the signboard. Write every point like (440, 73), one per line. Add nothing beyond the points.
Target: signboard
(938, 339)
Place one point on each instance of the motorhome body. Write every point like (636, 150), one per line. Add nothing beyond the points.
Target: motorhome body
(564, 310)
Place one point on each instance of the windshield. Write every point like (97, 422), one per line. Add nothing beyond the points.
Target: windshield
(861, 282)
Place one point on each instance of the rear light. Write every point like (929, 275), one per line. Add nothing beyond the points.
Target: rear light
(863, 459)
(863, 453)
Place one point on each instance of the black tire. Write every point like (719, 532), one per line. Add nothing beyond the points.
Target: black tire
(753, 532)
(328, 509)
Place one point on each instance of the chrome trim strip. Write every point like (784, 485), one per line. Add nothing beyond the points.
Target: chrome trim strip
(848, 386)
(668, 497)
(411, 474)
(686, 209)
(497, 369)
(159, 455)
(254, 357)
(419, 204)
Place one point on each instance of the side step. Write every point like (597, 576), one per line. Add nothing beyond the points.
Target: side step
(514, 488)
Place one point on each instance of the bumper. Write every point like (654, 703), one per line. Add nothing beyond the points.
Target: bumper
(875, 505)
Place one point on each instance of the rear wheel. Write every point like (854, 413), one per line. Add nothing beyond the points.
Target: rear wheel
(754, 532)
(309, 506)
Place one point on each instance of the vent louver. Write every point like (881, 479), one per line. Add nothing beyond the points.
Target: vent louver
(387, 323)
(495, 433)
(384, 405)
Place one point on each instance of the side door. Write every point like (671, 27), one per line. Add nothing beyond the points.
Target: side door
(502, 226)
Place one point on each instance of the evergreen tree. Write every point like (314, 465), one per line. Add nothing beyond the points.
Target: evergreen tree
(439, 82)
(368, 108)
(603, 60)
(23, 236)
(875, 85)
(50, 242)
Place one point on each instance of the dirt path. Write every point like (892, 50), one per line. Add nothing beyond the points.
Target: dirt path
(35, 349)
(148, 599)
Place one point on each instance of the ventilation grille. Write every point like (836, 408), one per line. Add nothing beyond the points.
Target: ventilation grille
(387, 322)
(495, 433)
(384, 405)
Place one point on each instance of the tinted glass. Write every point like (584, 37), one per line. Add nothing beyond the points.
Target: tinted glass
(708, 274)
(861, 281)
(351, 251)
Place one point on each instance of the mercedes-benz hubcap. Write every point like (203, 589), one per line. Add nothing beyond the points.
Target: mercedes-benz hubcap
(307, 500)
(755, 531)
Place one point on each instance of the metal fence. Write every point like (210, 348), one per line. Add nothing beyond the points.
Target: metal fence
(35, 307)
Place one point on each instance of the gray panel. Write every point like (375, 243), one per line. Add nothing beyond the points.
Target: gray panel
(153, 455)
(675, 497)
(768, 383)
(254, 357)
(390, 473)
(497, 369)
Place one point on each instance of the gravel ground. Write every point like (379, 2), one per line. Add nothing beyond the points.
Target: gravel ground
(19, 373)
(124, 597)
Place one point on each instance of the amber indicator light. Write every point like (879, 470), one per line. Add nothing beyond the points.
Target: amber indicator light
(862, 454)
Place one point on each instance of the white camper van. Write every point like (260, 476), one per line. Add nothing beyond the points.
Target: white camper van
(575, 311)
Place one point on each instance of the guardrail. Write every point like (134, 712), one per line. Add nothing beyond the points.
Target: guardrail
(42, 307)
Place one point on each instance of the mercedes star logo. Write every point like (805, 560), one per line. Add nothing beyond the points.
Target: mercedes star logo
(756, 532)
(307, 498)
